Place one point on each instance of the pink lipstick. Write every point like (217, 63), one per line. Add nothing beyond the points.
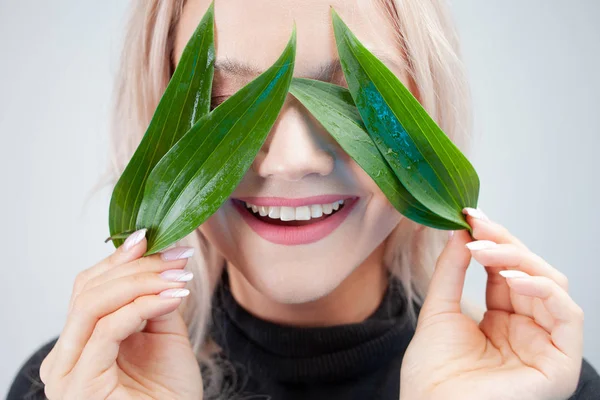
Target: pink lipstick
(287, 233)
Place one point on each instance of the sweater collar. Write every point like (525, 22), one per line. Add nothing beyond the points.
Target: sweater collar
(311, 354)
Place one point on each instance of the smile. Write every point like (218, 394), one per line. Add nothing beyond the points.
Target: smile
(294, 221)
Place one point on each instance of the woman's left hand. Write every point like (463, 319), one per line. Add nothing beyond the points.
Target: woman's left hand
(529, 344)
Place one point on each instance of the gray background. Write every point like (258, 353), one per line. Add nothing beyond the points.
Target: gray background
(533, 67)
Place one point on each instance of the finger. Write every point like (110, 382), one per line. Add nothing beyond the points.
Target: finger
(98, 302)
(486, 229)
(175, 258)
(133, 248)
(446, 285)
(509, 256)
(102, 349)
(497, 291)
(567, 332)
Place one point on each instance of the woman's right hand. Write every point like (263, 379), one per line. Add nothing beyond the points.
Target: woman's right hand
(124, 337)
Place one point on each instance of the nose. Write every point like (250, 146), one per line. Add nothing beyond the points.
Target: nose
(295, 148)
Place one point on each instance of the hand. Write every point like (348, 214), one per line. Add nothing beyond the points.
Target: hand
(528, 345)
(122, 340)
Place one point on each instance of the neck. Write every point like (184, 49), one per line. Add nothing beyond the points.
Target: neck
(355, 299)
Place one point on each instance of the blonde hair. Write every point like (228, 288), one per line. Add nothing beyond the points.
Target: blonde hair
(428, 42)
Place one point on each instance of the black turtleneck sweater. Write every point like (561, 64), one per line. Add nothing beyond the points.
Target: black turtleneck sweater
(268, 361)
(353, 361)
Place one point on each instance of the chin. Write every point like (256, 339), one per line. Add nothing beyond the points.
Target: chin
(297, 282)
(301, 273)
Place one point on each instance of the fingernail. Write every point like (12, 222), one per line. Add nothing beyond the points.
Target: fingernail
(134, 239)
(475, 213)
(177, 275)
(481, 245)
(450, 234)
(177, 253)
(513, 273)
(171, 293)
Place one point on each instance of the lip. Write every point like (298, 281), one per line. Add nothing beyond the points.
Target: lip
(284, 202)
(295, 235)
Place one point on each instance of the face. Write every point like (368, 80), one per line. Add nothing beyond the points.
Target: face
(301, 171)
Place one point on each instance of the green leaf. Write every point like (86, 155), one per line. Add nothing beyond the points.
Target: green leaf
(199, 173)
(185, 100)
(333, 107)
(425, 160)
(122, 235)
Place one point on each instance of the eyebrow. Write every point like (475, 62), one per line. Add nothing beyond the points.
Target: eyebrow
(321, 72)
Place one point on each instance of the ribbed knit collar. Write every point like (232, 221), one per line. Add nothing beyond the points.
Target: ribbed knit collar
(303, 355)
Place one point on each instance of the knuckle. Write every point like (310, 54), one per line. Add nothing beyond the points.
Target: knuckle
(140, 264)
(88, 284)
(139, 279)
(78, 305)
(80, 281)
(516, 249)
(144, 279)
(579, 314)
(106, 327)
(81, 305)
(562, 280)
(136, 310)
(150, 263)
(502, 230)
(548, 282)
(520, 254)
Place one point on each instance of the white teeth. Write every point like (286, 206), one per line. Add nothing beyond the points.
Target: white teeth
(316, 211)
(302, 213)
(288, 214)
(274, 212)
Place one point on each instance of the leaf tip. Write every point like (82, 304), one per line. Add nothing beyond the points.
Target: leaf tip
(293, 36)
(338, 23)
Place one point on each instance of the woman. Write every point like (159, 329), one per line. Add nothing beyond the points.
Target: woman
(310, 310)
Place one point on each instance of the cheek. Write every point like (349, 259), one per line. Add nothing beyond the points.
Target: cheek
(379, 221)
(380, 217)
(218, 229)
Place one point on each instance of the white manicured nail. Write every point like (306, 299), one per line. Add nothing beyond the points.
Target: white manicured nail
(513, 273)
(475, 213)
(177, 275)
(134, 239)
(481, 245)
(174, 293)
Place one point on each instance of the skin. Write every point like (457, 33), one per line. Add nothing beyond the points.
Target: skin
(299, 159)
(124, 340)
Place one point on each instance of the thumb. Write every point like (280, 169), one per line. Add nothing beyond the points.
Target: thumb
(168, 323)
(446, 285)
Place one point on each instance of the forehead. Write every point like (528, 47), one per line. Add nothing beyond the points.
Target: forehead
(256, 31)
